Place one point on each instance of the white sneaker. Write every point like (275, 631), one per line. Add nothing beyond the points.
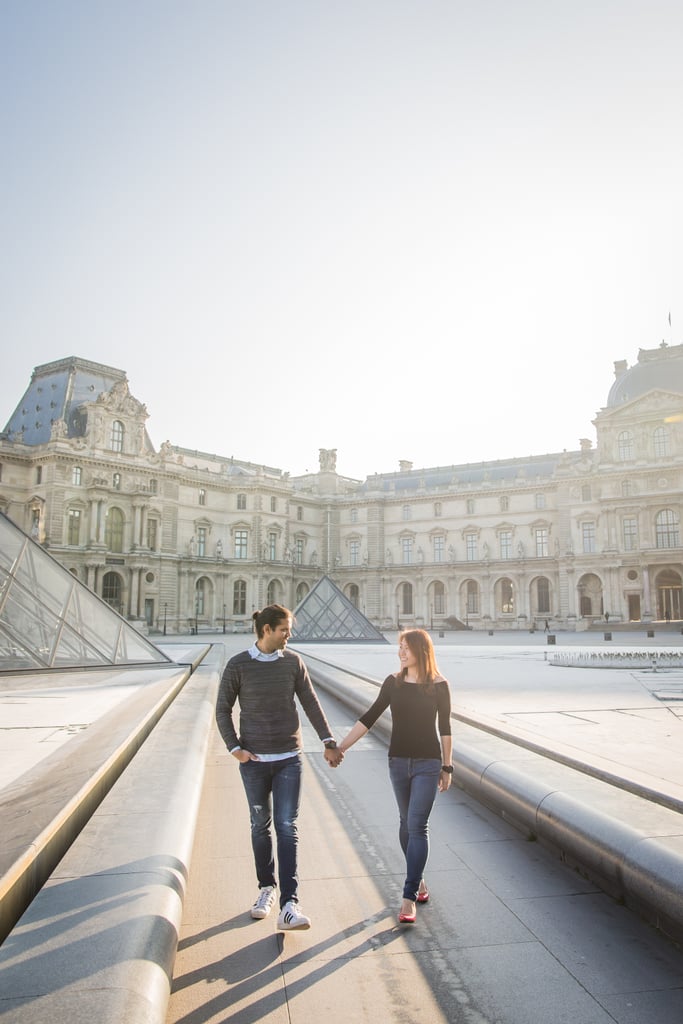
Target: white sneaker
(264, 903)
(291, 918)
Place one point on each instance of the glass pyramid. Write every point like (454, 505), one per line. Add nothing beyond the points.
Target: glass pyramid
(327, 616)
(49, 619)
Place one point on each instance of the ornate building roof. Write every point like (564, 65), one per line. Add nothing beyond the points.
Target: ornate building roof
(57, 392)
(657, 369)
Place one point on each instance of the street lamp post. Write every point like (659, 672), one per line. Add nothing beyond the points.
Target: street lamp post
(164, 618)
(224, 618)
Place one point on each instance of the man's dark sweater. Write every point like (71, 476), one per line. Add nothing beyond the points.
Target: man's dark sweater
(269, 721)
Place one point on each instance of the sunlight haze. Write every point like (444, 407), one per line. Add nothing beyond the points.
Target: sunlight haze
(404, 230)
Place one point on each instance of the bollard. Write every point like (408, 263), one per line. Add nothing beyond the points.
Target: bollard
(608, 636)
(490, 632)
(550, 638)
(441, 633)
(650, 632)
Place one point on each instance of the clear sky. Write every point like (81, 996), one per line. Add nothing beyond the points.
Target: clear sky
(404, 229)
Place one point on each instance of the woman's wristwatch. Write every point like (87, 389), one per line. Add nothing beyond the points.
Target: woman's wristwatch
(447, 768)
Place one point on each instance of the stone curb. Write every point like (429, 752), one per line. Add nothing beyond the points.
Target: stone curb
(99, 940)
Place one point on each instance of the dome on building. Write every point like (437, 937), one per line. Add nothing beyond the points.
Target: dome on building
(657, 369)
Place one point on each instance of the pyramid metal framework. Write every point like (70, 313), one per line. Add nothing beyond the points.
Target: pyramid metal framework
(49, 619)
(327, 616)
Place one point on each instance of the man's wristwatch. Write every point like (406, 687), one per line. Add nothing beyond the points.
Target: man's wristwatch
(448, 768)
(330, 744)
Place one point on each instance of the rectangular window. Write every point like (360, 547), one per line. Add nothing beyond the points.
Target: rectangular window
(439, 543)
(241, 502)
(299, 551)
(241, 537)
(76, 476)
(272, 546)
(152, 534)
(407, 512)
(116, 438)
(273, 504)
(201, 541)
(586, 492)
(588, 536)
(354, 552)
(472, 547)
(74, 526)
(540, 501)
(505, 540)
(407, 549)
(202, 496)
(299, 513)
(542, 542)
(630, 533)
(470, 506)
(239, 598)
(39, 474)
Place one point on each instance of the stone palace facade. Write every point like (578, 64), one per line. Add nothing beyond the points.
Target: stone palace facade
(181, 539)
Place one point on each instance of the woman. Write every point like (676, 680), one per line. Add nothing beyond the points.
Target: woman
(419, 758)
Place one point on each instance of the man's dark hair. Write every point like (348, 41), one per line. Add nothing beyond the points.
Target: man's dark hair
(271, 616)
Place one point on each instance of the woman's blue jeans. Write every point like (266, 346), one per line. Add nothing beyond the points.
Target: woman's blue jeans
(273, 789)
(415, 782)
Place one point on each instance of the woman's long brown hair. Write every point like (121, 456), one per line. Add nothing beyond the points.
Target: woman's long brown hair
(420, 643)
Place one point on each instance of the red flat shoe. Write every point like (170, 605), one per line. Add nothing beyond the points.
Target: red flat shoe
(406, 918)
(422, 897)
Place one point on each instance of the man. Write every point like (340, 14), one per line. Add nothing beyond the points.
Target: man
(265, 680)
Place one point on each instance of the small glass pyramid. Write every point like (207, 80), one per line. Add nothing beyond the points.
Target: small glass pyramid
(49, 619)
(327, 616)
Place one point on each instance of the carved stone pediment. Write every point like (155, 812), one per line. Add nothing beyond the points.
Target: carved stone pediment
(119, 400)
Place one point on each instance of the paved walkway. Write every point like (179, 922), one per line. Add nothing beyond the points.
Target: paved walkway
(510, 936)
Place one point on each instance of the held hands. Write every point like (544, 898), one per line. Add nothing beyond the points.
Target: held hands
(334, 756)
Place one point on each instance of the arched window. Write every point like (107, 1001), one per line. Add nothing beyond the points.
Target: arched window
(666, 528)
(507, 596)
(439, 596)
(406, 599)
(116, 439)
(353, 594)
(200, 595)
(543, 596)
(660, 439)
(472, 607)
(239, 597)
(625, 446)
(301, 592)
(113, 530)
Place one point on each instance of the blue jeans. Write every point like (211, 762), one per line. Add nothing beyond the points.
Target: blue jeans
(273, 789)
(415, 782)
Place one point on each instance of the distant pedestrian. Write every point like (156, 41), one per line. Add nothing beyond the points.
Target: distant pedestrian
(419, 757)
(606, 616)
(667, 615)
(547, 627)
(265, 681)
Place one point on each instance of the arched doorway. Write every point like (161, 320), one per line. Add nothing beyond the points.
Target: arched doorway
(112, 591)
(589, 590)
(669, 595)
